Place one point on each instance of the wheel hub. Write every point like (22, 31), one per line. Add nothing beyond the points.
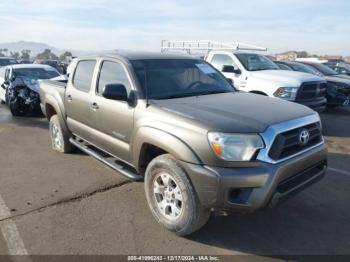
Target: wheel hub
(168, 196)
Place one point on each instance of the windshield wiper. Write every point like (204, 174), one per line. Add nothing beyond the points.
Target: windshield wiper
(173, 96)
(191, 94)
(213, 92)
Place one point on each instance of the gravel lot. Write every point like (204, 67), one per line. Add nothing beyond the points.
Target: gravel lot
(72, 204)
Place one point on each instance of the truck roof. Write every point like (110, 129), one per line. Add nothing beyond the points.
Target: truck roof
(131, 55)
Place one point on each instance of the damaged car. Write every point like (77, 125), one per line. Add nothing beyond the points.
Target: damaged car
(20, 87)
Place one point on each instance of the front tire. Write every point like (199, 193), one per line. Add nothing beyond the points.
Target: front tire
(172, 198)
(59, 137)
(16, 108)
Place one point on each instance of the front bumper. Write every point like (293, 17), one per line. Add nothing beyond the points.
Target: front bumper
(252, 188)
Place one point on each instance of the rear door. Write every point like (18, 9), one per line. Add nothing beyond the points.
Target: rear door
(77, 99)
(112, 120)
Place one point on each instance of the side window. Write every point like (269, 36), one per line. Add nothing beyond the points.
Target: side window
(112, 73)
(2, 72)
(83, 75)
(220, 60)
(7, 74)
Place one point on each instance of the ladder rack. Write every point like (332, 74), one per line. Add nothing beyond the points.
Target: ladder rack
(189, 46)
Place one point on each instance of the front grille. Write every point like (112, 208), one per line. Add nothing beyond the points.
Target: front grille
(311, 90)
(288, 143)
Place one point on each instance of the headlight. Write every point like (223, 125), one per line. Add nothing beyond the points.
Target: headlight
(288, 93)
(235, 147)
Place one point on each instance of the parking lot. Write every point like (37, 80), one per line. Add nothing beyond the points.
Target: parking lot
(72, 204)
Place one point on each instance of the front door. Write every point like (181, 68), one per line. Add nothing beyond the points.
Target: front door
(112, 120)
(221, 60)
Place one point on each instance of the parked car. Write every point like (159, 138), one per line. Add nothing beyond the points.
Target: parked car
(341, 69)
(283, 66)
(176, 122)
(338, 89)
(256, 73)
(60, 67)
(19, 86)
(4, 61)
(325, 70)
(25, 61)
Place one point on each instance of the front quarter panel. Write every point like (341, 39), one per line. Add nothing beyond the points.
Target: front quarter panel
(164, 140)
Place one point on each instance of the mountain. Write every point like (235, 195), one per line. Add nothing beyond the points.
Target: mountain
(35, 47)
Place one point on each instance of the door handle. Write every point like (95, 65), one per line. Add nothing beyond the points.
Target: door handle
(69, 98)
(94, 106)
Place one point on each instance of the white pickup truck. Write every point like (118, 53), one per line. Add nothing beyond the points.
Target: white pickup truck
(255, 73)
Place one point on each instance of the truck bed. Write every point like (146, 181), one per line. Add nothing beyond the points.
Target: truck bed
(52, 90)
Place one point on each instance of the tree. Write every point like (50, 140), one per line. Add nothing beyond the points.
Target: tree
(25, 54)
(47, 54)
(64, 56)
(1, 52)
(15, 55)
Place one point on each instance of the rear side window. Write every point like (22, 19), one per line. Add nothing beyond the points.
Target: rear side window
(112, 73)
(83, 75)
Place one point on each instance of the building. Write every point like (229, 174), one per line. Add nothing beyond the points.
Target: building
(290, 56)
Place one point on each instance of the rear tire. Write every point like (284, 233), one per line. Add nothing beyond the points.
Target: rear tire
(172, 198)
(59, 137)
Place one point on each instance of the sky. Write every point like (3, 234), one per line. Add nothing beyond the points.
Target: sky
(317, 26)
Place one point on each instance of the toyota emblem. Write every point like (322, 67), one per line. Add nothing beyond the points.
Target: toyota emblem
(304, 137)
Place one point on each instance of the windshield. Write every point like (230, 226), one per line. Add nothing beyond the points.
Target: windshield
(36, 73)
(173, 78)
(305, 68)
(5, 62)
(256, 62)
(325, 69)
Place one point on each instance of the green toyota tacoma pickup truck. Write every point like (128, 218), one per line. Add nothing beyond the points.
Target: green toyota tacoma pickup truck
(177, 123)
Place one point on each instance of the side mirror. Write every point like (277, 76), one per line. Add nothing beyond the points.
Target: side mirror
(115, 92)
(231, 69)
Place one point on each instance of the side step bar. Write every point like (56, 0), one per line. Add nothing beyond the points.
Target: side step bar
(109, 161)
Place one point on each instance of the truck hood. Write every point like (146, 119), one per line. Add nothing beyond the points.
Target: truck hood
(285, 78)
(233, 112)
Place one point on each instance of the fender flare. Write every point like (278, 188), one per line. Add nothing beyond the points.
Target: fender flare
(50, 100)
(164, 140)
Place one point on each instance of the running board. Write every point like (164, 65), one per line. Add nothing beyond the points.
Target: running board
(109, 161)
